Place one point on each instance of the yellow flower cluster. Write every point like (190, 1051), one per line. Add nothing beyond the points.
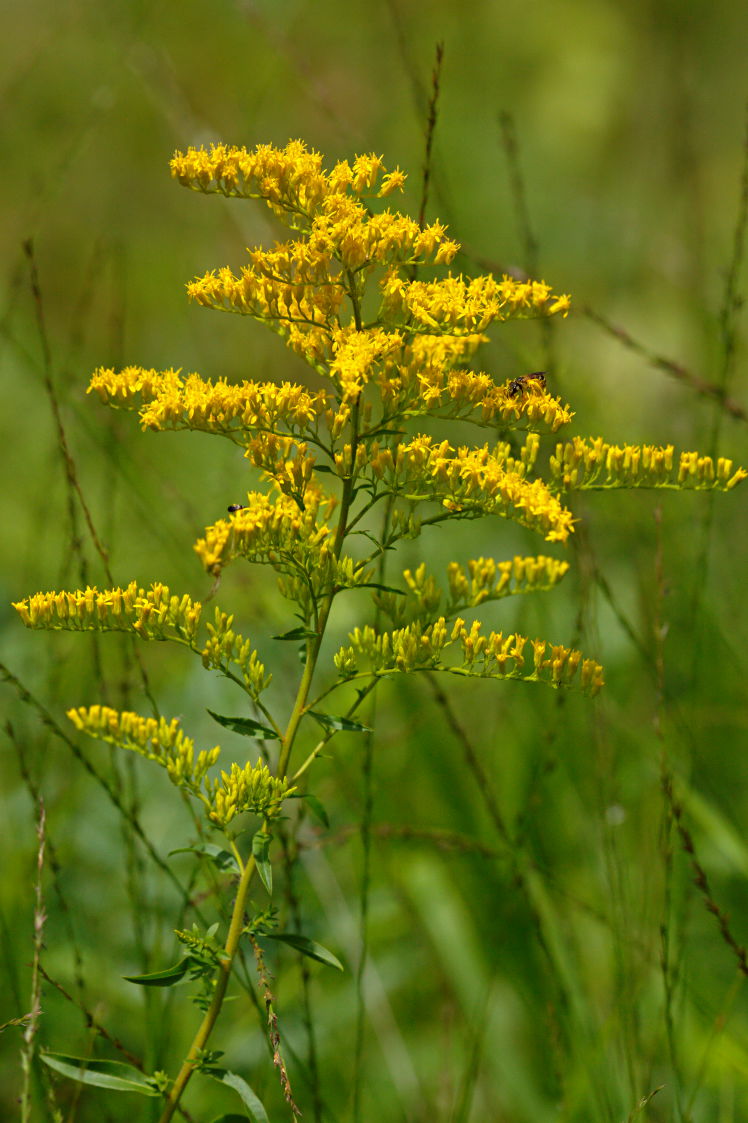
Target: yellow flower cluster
(154, 738)
(166, 400)
(487, 579)
(471, 395)
(358, 355)
(246, 788)
(458, 306)
(560, 666)
(407, 649)
(284, 460)
(302, 311)
(274, 529)
(483, 580)
(583, 463)
(696, 471)
(417, 648)
(300, 286)
(154, 613)
(289, 179)
(474, 480)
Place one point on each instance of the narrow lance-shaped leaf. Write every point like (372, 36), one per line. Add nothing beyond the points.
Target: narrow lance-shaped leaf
(165, 978)
(343, 724)
(247, 1096)
(260, 850)
(114, 1075)
(307, 947)
(297, 634)
(246, 726)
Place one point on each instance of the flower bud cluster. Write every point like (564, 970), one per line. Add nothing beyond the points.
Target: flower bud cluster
(154, 613)
(246, 788)
(407, 649)
(243, 788)
(561, 665)
(487, 579)
(483, 580)
(584, 463)
(285, 461)
(417, 648)
(154, 738)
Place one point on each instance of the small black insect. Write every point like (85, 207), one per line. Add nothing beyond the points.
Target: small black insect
(520, 383)
(236, 507)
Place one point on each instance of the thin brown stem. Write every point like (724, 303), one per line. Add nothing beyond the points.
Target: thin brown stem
(430, 130)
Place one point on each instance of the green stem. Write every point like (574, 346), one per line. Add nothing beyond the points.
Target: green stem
(313, 645)
(192, 1060)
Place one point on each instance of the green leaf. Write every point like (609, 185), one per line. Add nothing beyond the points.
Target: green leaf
(224, 860)
(260, 849)
(246, 726)
(328, 721)
(114, 1075)
(315, 806)
(308, 947)
(297, 633)
(166, 978)
(246, 1095)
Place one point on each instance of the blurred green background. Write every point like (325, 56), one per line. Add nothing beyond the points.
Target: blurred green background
(519, 982)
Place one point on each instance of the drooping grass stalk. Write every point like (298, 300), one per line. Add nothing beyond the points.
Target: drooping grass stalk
(35, 1010)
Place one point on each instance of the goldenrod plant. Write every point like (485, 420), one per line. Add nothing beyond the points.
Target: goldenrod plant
(348, 464)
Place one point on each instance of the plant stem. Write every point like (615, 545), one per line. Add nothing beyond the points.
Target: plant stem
(192, 1060)
(313, 645)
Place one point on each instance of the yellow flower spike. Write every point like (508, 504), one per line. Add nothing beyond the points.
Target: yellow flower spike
(417, 647)
(584, 463)
(130, 609)
(459, 306)
(154, 738)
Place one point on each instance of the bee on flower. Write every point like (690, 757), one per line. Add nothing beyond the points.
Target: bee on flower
(525, 381)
